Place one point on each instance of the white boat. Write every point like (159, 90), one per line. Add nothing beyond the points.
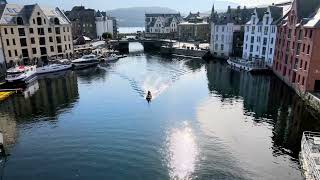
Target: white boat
(51, 68)
(122, 56)
(111, 58)
(85, 61)
(21, 75)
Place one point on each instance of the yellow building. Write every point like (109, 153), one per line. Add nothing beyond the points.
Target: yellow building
(31, 33)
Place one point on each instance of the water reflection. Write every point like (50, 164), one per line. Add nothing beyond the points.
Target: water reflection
(43, 98)
(267, 100)
(182, 152)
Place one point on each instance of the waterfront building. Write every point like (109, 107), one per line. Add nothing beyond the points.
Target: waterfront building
(162, 25)
(83, 22)
(31, 33)
(296, 59)
(260, 33)
(104, 24)
(194, 27)
(227, 31)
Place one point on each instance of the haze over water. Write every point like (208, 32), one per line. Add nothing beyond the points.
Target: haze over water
(207, 121)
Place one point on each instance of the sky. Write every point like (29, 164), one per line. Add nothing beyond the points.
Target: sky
(179, 5)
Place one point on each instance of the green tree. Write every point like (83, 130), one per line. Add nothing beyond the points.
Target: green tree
(107, 35)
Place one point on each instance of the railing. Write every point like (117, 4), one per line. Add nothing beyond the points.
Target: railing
(307, 153)
(257, 64)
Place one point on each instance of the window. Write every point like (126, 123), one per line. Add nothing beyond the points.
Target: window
(31, 30)
(222, 47)
(222, 37)
(21, 32)
(40, 31)
(67, 29)
(39, 21)
(303, 47)
(68, 38)
(298, 49)
(42, 41)
(43, 50)
(263, 50)
(34, 51)
(57, 29)
(289, 34)
(50, 39)
(257, 49)
(301, 63)
(15, 52)
(9, 52)
(253, 29)
(271, 41)
(65, 39)
(8, 43)
(34, 21)
(32, 41)
(251, 48)
(267, 20)
(266, 29)
(265, 41)
(58, 38)
(49, 30)
(69, 46)
(23, 42)
(310, 34)
(270, 51)
(64, 29)
(252, 39)
(59, 49)
(5, 31)
(303, 81)
(66, 47)
(308, 51)
(25, 53)
(52, 48)
(305, 65)
(44, 20)
(14, 42)
(305, 33)
(12, 32)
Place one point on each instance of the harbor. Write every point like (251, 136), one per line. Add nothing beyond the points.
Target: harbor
(82, 122)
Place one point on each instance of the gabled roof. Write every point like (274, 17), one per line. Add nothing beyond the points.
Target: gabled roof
(306, 8)
(10, 12)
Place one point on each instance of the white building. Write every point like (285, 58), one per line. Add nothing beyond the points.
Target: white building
(104, 24)
(162, 25)
(260, 34)
(226, 32)
(222, 38)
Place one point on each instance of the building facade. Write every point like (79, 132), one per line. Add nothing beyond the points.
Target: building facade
(104, 24)
(226, 28)
(296, 60)
(195, 28)
(162, 25)
(83, 22)
(31, 33)
(260, 34)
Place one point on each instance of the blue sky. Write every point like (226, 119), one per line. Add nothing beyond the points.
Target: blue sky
(180, 5)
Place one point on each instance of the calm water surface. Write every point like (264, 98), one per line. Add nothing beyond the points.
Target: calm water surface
(205, 122)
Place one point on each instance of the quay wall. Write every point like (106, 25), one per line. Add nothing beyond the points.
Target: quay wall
(185, 52)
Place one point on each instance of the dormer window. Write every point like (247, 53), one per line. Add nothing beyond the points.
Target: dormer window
(39, 21)
(19, 21)
(56, 21)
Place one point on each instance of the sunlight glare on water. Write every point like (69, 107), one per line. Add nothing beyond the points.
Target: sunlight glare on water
(183, 152)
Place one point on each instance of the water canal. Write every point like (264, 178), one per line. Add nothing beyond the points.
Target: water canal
(206, 122)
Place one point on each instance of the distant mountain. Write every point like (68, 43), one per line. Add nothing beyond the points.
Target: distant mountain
(134, 17)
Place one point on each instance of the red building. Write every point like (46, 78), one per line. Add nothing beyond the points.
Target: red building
(297, 57)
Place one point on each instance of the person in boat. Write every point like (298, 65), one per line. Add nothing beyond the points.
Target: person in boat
(149, 96)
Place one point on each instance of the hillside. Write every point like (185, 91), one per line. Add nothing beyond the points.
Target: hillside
(134, 17)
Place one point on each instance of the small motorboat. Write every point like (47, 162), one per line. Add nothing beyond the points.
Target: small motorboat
(85, 61)
(111, 58)
(21, 75)
(149, 96)
(51, 68)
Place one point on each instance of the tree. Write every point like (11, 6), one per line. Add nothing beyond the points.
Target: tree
(107, 35)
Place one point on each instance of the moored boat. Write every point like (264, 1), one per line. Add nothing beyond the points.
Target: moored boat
(111, 58)
(51, 68)
(85, 61)
(20, 75)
